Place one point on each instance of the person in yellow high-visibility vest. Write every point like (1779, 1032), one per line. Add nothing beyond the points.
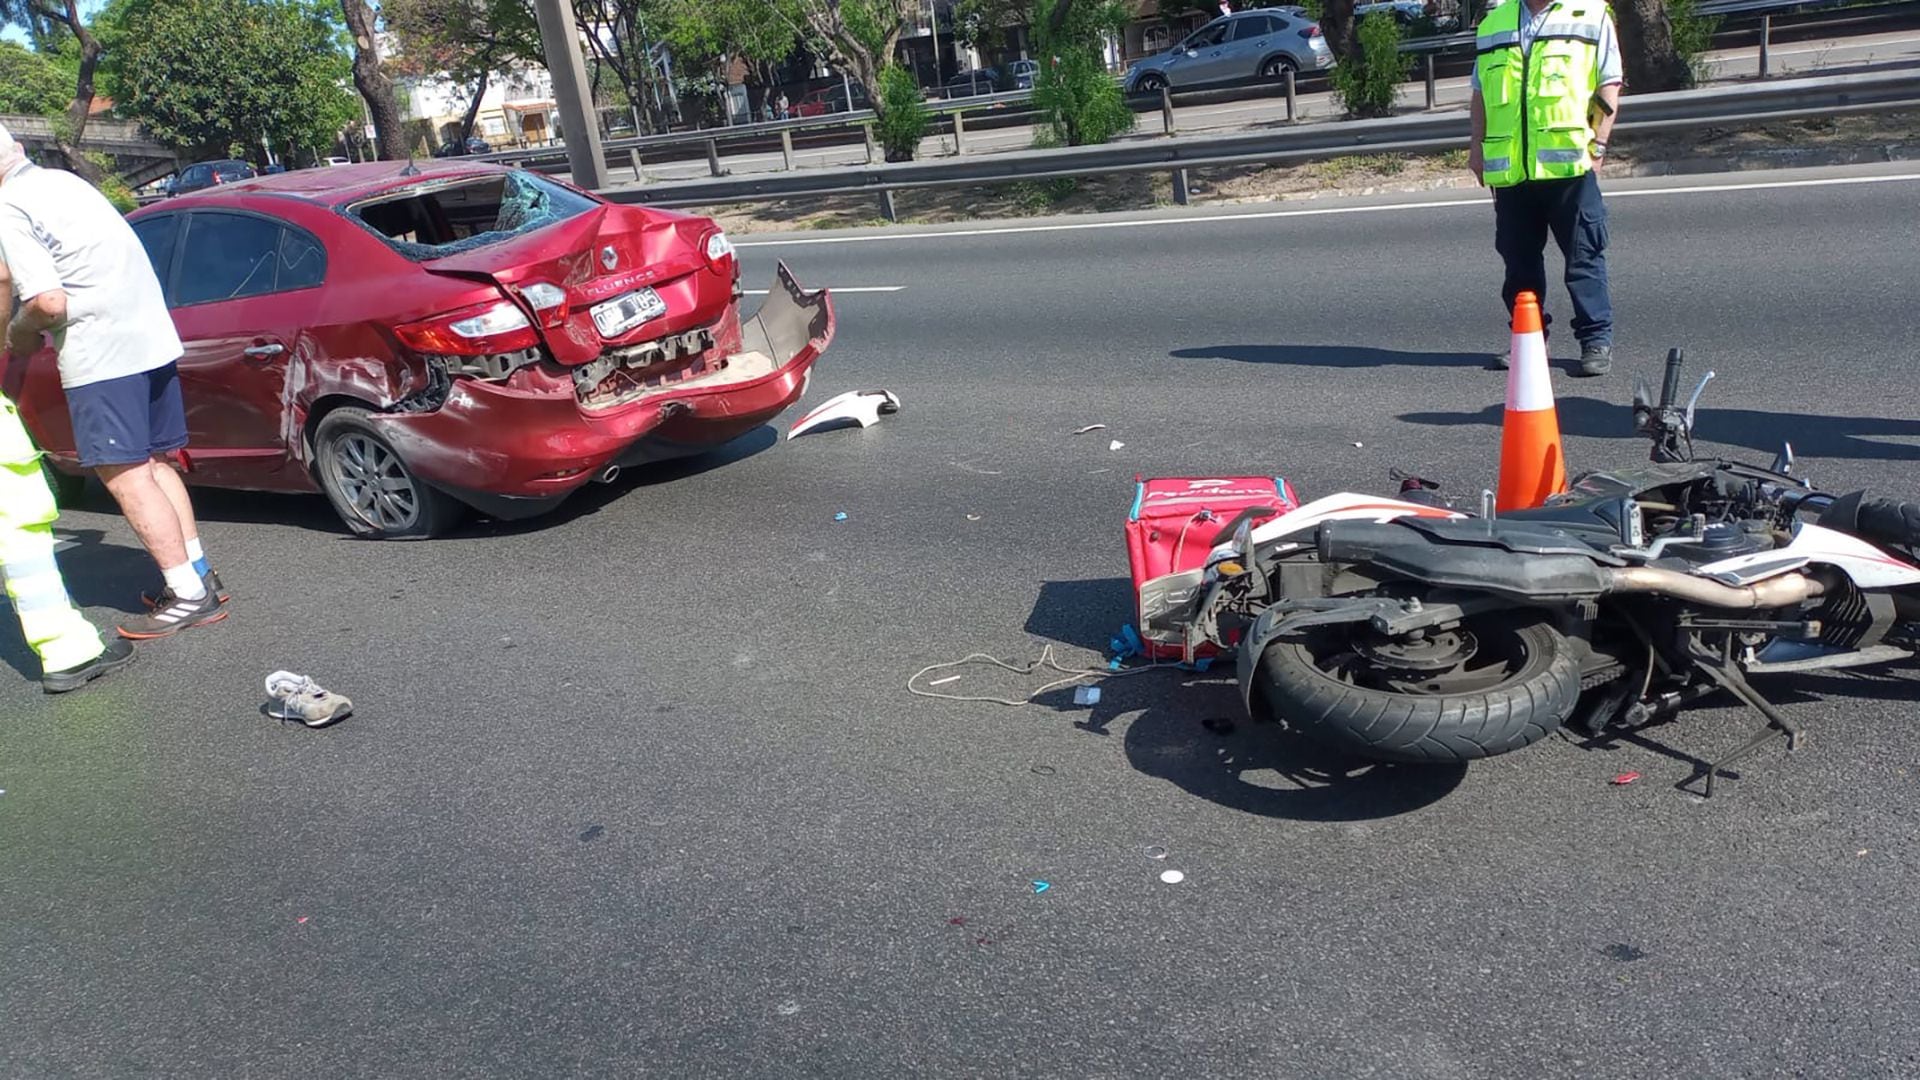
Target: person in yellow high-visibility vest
(1546, 90)
(70, 650)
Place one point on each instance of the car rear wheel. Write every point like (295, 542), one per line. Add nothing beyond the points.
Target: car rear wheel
(371, 487)
(1277, 67)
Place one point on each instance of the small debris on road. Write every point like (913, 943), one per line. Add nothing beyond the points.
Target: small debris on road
(1156, 852)
(1041, 886)
(1115, 444)
(957, 920)
(1091, 427)
(1173, 877)
(973, 517)
(945, 681)
(1042, 770)
(1086, 695)
(1856, 854)
(841, 516)
(301, 921)
(591, 833)
(1358, 446)
(1624, 779)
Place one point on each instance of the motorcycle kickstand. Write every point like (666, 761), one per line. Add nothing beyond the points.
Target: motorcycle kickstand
(1723, 671)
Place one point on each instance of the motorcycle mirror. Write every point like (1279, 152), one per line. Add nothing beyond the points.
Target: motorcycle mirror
(1243, 539)
(1695, 400)
(1783, 461)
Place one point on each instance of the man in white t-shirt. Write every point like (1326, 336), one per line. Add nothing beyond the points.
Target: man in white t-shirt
(86, 289)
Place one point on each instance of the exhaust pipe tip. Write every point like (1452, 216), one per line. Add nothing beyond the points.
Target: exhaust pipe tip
(607, 475)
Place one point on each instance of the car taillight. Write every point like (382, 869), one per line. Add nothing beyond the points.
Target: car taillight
(1311, 32)
(719, 249)
(480, 330)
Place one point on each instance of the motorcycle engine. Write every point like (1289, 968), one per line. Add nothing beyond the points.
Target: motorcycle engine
(1723, 540)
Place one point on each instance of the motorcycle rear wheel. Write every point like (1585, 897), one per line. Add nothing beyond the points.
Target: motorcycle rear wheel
(1517, 681)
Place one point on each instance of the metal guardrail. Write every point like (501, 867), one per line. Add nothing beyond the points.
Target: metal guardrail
(557, 152)
(629, 152)
(1420, 132)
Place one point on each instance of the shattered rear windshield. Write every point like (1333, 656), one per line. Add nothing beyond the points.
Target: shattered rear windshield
(433, 221)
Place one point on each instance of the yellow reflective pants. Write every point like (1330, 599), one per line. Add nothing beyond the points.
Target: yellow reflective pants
(56, 630)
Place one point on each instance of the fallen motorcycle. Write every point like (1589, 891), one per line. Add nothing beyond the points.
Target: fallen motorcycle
(1406, 630)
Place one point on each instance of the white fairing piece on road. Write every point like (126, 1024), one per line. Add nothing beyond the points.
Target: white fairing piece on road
(1345, 506)
(863, 407)
(1868, 566)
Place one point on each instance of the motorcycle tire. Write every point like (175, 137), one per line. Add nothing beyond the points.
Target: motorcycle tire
(1534, 697)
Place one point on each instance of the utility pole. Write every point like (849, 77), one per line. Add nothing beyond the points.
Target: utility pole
(559, 40)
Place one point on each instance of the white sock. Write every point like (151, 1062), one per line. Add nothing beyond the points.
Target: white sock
(185, 583)
(194, 551)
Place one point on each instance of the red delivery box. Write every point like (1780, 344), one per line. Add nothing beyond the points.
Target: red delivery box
(1175, 523)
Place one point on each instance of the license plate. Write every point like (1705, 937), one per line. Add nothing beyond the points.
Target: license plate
(622, 313)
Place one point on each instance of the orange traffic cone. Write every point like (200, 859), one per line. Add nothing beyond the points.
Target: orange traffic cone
(1532, 462)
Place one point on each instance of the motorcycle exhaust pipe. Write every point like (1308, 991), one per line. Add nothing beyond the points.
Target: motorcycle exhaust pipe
(1788, 590)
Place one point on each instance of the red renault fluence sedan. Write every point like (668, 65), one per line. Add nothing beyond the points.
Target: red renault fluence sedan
(412, 340)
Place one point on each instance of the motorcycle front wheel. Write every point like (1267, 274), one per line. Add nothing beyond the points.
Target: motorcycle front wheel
(1494, 684)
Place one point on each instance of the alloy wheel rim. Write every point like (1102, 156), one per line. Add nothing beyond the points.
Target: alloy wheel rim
(375, 483)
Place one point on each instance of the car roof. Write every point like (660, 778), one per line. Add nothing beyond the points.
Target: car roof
(348, 183)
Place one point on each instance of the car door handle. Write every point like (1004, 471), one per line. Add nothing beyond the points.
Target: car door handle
(265, 351)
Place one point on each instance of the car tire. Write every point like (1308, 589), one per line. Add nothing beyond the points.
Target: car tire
(1276, 67)
(371, 487)
(67, 490)
(1150, 84)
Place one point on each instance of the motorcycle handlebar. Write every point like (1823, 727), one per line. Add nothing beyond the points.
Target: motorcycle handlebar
(1670, 386)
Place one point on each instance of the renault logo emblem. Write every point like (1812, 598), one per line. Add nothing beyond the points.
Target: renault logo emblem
(609, 258)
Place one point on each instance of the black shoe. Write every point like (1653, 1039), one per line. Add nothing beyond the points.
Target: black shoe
(211, 581)
(1595, 360)
(118, 654)
(172, 615)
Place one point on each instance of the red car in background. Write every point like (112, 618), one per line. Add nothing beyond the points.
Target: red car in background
(412, 340)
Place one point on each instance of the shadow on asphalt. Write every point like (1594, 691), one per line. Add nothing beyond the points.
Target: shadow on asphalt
(1084, 614)
(593, 498)
(315, 513)
(1333, 356)
(1812, 436)
(1198, 738)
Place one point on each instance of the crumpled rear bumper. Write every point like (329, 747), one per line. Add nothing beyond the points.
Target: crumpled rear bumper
(513, 454)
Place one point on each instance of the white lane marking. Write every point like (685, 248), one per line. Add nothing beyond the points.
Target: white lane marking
(838, 289)
(1319, 211)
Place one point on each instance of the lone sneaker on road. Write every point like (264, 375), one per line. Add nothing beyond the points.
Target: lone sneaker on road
(1595, 360)
(170, 615)
(118, 654)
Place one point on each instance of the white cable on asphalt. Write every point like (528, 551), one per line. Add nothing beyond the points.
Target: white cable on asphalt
(1046, 661)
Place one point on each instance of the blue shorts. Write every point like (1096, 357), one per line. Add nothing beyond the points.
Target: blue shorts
(128, 420)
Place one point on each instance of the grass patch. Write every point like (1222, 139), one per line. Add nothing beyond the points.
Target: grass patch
(1354, 165)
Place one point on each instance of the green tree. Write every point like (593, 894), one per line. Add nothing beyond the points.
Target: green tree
(1651, 38)
(1365, 83)
(49, 24)
(859, 37)
(1080, 100)
(371, 80)
(465, 40)
(704, 33)
(214, 75)
(900, 119)
(30, 83)
(982, 25)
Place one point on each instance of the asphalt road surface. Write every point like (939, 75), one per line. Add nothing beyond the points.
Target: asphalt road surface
(1794, 58)
(637, 790)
